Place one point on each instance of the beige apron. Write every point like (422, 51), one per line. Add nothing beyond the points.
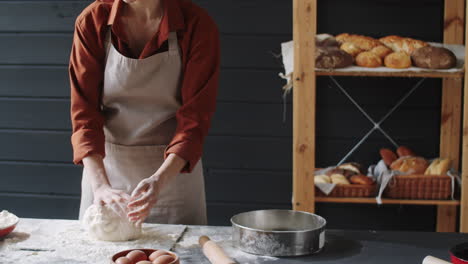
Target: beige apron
(140, 99)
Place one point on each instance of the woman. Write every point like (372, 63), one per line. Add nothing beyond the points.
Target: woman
(144, 77)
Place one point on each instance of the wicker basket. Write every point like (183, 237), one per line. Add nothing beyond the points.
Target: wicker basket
(425, 187)
(350, 190)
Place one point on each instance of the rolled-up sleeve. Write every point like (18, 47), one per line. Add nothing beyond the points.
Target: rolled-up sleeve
(199, 91)
(86, 78)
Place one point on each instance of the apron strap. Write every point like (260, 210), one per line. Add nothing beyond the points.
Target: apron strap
(108, 41)
(173, 45)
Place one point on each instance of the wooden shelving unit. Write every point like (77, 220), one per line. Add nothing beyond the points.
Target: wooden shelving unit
(304, 113)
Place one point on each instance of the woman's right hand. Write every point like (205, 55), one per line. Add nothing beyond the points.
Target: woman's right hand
(106, 195)
(102, 190)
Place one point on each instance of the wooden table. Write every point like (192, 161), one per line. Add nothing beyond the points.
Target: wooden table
(38, 241)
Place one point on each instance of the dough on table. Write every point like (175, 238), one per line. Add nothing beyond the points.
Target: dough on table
(109, 223)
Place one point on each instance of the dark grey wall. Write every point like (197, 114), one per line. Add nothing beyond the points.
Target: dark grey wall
(248, 153)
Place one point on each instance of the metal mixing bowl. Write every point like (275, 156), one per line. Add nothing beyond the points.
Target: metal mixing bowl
(279, 233)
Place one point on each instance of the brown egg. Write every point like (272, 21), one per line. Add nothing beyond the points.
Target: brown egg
(137, 255)
(123, 260)
(165, 259)
(157, 253)
(144, 262)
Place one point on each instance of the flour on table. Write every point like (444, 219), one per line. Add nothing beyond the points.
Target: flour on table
(110, 223)
(7, 219)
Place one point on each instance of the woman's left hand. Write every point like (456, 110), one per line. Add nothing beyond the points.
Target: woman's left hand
(144, 197)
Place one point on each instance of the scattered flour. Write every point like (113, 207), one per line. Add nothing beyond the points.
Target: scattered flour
(7, 219)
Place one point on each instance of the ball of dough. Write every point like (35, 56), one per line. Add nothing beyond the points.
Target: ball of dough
(103, 222)
(398, 60)
(368, 59)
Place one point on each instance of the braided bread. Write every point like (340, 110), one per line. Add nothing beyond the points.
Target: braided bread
(400, 44)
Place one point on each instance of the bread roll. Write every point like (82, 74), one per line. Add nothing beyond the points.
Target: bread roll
(326, 40)
(368, 59)
(361, 179)
(346, 173)
(332, 58)
(339, 179)
(388, 156)
(398, 60)
(381, 51)
(438, 167)
(434, 58)
(403, 151)
(351, 48)
(351, 166)
(410, 165)
(322, 179)
(362, 42)
(400, 44)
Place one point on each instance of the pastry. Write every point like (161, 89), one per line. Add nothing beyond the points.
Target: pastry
(403, 151)
(438, 167)
(410, 165)
(339, 179)
(332, 58)
(400, 44)
(368, 59)
(351, 48)
(398, 60)
(345, 172)
(322, 178)
(326, 40)
(361, 179)
(388, 156)
(351, 166)
(434, 58)
(362, 42)
(381, 51)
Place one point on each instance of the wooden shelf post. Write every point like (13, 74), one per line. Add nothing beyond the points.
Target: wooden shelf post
(450, 123)
(304, 91)
(464, 195)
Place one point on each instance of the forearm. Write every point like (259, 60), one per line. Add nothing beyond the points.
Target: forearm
(171, 167)
(95, 165)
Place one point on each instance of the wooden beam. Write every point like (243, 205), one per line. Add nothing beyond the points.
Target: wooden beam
(464, 194)
(450, 124)
(304, 92)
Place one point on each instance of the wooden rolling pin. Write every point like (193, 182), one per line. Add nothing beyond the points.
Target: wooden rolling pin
(213, 252)
(433, 260)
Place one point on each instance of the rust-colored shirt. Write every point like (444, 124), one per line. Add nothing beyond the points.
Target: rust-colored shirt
(198, 40)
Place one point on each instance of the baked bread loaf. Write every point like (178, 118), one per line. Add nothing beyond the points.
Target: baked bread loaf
(388, 156)
(368, 59)
(332, 58)
(351, 166)
(403, 151)
(434, 58)
(339, 179)
(326, 40)
(351, 48)
(438, 167)
(362, 42)
(381, 51)
(322, 179)
(361, 179)
(400, 44)
(398, 60)
(410, 165)
(346, 173)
